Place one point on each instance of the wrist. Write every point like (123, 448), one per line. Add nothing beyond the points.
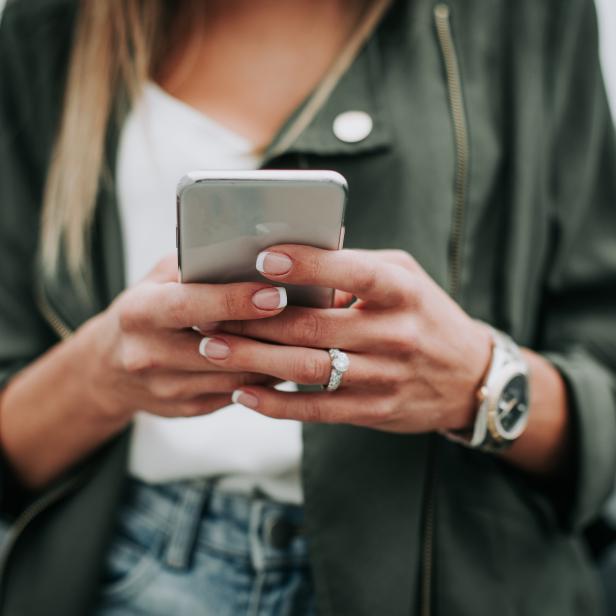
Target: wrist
(544, 449)
(97, 381)
(503, 409)
(477, 359)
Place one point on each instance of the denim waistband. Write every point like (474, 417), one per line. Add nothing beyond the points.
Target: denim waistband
(186, 516)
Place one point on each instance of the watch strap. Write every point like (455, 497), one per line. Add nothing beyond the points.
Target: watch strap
(480, 436)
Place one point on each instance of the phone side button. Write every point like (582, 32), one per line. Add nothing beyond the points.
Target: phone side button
(177, 237)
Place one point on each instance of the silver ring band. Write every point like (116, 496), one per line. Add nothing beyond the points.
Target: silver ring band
(340, 364)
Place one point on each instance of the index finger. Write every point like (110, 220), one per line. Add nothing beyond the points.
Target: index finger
(175, 305)
(357, 272)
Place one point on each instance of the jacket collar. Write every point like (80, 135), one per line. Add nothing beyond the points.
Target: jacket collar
(356, 90)
(349, 85)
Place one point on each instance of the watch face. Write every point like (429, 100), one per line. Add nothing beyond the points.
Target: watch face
(512, 406)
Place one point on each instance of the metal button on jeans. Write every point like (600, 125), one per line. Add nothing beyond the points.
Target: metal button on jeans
(352, 126)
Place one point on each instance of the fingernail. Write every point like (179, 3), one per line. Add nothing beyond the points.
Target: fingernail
(271, 298)
(273, 263)
(214, 348)
(245, 399)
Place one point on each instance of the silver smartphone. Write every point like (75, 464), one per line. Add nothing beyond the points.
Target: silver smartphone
(225, 218)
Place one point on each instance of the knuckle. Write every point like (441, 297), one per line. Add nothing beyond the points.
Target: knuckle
(398, 289)
(167, 389)
(134, 359)
(130, 314)
(404, 259)
(412, 292)
(389, 378)
(231, 302)
(314, 268)
(383, 409)
(409, 341)
(176, 307)
(160, 390)
(397, 377)
(406, 289)
(309, 327)
(136, 306)
(365, 278)
(312, 411)
(308, 369)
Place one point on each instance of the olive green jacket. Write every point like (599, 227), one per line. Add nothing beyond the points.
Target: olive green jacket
(492, 160)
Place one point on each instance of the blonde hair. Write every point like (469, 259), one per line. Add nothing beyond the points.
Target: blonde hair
(117, 46)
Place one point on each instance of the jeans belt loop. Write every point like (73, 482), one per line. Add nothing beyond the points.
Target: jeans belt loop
(257, 547)
(185, 528)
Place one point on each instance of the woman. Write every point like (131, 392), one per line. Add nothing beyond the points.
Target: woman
(476, 139)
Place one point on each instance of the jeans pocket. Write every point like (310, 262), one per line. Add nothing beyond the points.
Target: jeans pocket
(132, 561)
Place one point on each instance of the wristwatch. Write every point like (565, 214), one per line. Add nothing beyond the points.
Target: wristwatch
(503, 400)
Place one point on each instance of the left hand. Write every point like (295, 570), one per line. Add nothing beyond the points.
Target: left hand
(416, 358)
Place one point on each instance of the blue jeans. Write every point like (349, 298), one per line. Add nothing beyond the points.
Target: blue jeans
(189, 549)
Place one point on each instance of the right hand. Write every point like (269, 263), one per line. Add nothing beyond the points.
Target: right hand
(143, 353)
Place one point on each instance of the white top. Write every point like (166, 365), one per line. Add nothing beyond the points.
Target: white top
(161, 140)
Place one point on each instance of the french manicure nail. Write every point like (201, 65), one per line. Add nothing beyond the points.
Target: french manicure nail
(244, 398)
(271, 298)
(214, 348)
(274, 263)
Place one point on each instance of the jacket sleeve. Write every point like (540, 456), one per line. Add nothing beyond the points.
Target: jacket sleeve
(579, 318)
(23, 333)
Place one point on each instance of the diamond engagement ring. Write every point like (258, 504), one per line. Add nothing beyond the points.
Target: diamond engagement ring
(340, 364)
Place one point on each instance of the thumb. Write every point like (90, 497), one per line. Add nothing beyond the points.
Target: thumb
(166, 270)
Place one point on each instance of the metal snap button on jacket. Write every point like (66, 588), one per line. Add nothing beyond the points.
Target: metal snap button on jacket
(352, 126)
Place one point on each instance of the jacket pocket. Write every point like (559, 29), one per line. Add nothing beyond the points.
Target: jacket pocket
(500, 549)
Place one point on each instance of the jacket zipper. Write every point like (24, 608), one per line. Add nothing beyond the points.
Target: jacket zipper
(458, 117)
(49, 314)
(44, 502)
